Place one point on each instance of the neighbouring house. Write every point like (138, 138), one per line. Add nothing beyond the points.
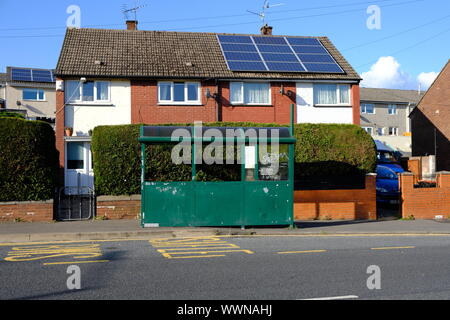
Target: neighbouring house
(430, 122)
(29, 91)
(111, 77)
(385, 116)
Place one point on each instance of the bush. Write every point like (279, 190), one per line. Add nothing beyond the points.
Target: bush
(28, 160)
(321, 150)
(6, 114)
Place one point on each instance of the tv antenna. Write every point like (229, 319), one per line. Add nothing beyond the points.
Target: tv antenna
(266, 6)
(127, 11)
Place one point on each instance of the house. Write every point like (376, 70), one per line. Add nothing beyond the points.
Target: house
(108, 77)
(385, 116)
(29, 91)
(430, 122)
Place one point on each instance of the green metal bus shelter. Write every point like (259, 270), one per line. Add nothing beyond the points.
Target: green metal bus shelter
(260, 197)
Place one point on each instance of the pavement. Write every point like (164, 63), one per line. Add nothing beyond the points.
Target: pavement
(131, 229)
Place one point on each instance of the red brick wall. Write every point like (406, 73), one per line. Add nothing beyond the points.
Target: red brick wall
(119, 208)
(337, 204)
(278, 112)
(425, 203)
(356, 103)
(59, 131)
(26, 211)
(145, 108)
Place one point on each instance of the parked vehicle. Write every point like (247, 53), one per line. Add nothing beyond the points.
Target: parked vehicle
(388, 170)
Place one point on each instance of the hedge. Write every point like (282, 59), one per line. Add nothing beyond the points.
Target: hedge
(321, 150)
(28, 160)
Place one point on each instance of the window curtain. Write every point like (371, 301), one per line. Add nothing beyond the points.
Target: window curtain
(165, 92)
(236, 92)
(256, 93)
(325, 94)
(102, 91)
(344, 92)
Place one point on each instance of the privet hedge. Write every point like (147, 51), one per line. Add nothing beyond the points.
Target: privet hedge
(28, 160)
(322, 150)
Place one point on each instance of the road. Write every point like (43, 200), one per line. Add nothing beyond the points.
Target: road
(230, 268)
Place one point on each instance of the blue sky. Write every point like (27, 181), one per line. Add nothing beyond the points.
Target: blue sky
(412, 44)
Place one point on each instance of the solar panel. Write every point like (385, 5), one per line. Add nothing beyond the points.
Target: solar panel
(323, 67)
(247, 66)
(31, 75)
(21, 75)
(262, 53)
(42, 76)
(285, 66)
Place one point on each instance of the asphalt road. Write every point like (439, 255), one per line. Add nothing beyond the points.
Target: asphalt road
(229, 268)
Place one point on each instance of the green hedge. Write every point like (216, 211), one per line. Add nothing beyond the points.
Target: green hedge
(321, 150)
(28, 160)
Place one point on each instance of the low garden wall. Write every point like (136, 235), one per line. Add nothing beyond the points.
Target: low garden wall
(358, 204)
(425, 202)
(108, 208)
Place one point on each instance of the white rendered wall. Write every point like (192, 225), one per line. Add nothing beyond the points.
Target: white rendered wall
(308, 113)
(83, 118)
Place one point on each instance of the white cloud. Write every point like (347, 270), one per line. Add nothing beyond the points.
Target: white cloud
(387, 73)
(426, 79)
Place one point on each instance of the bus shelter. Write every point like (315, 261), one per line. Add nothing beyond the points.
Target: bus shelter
(255, 188)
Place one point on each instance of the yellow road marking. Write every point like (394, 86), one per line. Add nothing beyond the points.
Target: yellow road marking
(30, 253)
(74, 262)
(195, 247)
(306, 251)
(393, 248)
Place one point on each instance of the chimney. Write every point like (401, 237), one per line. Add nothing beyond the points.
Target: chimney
(132, 24)
(266, 30)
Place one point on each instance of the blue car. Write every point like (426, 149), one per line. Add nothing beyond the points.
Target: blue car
(388, 170)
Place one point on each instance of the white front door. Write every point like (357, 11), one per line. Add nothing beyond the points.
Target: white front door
(79, 173)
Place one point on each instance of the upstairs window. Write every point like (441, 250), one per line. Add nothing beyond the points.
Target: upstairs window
(368, 108)
(392, 109)
(33, 94)
(331, 94)
(250, 93)
(179, 93)
(89, 91)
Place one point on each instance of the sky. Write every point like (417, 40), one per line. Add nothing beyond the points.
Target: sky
(398, 44)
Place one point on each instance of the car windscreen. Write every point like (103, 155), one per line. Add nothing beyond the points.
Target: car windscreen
(386, 173)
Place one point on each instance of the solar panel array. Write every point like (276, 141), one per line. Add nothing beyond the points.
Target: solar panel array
(274, 54)
(32, 75)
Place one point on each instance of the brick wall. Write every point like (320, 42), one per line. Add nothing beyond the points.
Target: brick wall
(278, 112)
(357, 204)
(425, 203)
(145, 108)
(119, 208)
(30, 211)
(111, 208)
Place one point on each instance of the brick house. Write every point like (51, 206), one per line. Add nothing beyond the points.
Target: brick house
(108, 77)
(430, 122)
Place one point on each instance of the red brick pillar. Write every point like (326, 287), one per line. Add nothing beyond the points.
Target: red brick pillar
(356, 104)
(443, 179)
(371, 190)
(406, 185)
(59, 131)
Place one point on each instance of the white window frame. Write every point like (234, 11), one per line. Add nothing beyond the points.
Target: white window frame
(80, 90)
(197, 102)
(395, 131)
(37, 95)
(395, 108)
(365, 108)
(367, 129)
(338, 95)
(242, 101)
